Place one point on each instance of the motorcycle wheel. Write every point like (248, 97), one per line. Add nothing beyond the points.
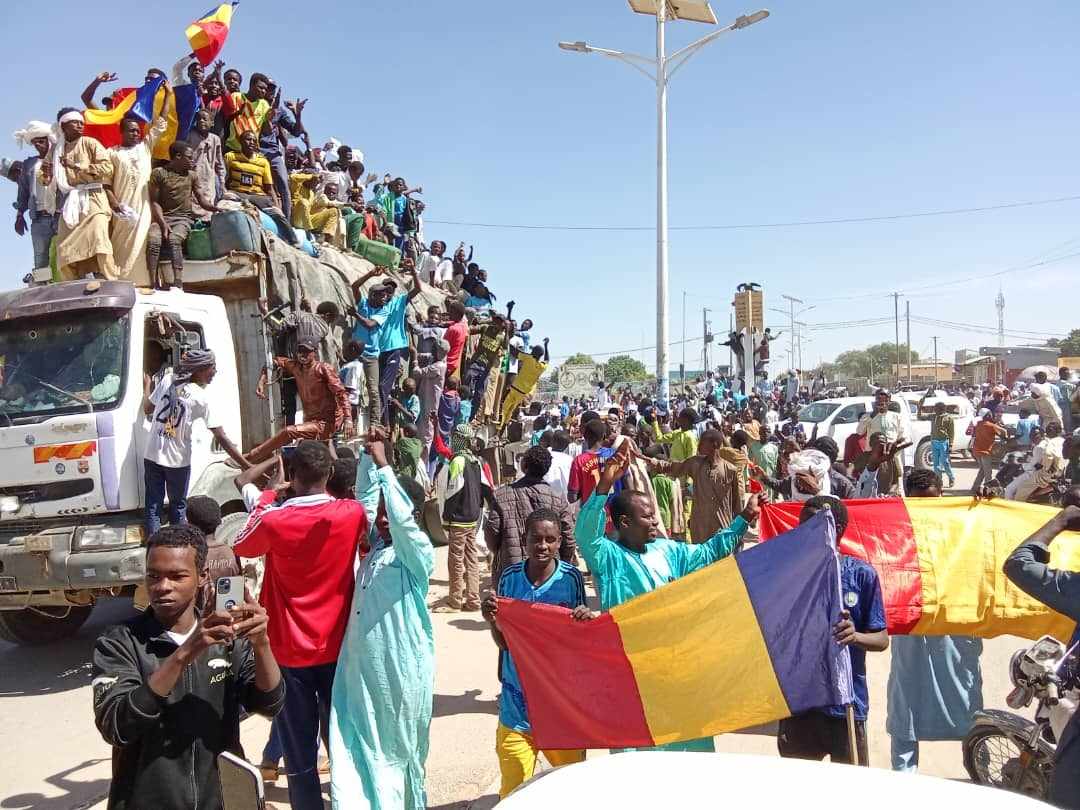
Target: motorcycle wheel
(992, 758)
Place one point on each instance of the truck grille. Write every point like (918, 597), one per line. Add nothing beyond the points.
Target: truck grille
(53, 491)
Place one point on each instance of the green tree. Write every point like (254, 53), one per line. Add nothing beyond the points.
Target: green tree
(623, 368)
(578, 359)
(1070, 346)
(874, 361)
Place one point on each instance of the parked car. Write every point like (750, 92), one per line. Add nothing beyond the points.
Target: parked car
(839, 418)
(963, 417)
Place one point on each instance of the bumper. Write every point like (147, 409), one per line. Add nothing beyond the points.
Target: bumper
(38, 565)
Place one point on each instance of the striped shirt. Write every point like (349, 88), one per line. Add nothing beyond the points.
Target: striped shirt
(248, 175)
(250, 117)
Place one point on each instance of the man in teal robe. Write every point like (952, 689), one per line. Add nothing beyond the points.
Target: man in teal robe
(639, 561)
(381, 706)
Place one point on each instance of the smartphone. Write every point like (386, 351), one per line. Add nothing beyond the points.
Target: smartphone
(287, 453)
(241, 783)
(230, 593)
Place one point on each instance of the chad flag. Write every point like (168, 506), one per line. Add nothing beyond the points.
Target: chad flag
(747, 640)
(207, 34)
(940, 562)
(145, 104)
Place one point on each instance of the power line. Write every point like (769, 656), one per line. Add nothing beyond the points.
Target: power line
(763, 225)
(627, 351)
(938, 285)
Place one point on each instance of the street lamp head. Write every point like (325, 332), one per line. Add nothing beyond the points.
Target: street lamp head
(577, 47)
(746, 20)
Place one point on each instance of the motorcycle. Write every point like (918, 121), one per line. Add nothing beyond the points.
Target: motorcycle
(1013, 466)
(1011, 752)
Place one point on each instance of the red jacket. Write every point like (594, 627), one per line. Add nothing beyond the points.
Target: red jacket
(310, 545)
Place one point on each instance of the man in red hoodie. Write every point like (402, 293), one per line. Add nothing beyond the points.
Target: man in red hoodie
(310, 542)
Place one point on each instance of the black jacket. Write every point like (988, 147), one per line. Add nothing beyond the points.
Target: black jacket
(165, 749)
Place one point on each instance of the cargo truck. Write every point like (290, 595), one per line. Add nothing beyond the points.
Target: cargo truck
(72, 428)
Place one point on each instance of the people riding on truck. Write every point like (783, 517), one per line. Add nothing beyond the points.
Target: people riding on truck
(324, 399)
(172, 406)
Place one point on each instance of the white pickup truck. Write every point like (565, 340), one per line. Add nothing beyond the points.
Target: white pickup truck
(72, 430)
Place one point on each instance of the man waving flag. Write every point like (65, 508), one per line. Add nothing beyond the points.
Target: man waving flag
(743, 641)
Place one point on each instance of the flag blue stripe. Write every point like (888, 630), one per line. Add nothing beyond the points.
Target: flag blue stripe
(143, 108)
(794, 585)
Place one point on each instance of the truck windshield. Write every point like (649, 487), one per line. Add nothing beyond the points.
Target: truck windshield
(62, 364)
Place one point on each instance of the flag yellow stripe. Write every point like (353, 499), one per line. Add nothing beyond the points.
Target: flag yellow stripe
(962, 547)
(697, 653)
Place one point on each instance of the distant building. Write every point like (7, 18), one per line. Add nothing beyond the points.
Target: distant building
(924, 373)
(1011, 360)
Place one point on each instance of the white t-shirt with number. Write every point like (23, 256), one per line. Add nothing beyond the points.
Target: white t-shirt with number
(173, 449)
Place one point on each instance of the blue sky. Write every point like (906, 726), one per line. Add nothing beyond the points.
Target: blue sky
(823, 111)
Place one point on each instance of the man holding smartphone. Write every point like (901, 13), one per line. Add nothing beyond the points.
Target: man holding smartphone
(169, 685)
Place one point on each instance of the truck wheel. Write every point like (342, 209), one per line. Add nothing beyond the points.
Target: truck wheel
(924, 457)
(33, 627)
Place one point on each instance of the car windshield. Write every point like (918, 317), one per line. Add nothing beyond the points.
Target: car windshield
(67, 364)
(817, 411)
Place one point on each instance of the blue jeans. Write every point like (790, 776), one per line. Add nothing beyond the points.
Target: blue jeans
(476, 376)
(272, 750)
(42, 231)
(307, 699)
(281, 184)
(939, 449)
(389, 366)
(159, 481)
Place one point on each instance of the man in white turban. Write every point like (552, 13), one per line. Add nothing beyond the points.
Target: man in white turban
(35, 197)
(81, 167)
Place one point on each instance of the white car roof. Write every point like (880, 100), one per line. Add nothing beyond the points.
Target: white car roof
(659, 779)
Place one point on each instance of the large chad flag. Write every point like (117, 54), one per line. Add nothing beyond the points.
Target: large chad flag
(745, 641)
(145, 103)
(207, 34)
(940, 562)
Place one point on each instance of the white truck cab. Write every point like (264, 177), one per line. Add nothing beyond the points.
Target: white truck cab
(72, 435)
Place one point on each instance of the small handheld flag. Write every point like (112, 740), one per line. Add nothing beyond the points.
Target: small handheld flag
(207, 34)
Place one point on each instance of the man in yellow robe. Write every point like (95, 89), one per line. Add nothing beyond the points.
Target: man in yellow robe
(530, 368)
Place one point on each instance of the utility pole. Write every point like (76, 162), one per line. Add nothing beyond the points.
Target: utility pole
(682, 375)
(999, 302)
(935, 360)
(896, 317)
(730, 351)
(793, 302)
(705, 337)
(907, 306)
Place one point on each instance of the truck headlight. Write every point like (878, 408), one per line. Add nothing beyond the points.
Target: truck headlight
(102, 537)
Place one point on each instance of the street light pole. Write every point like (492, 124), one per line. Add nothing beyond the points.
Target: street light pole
(661, 208)
(664, 67)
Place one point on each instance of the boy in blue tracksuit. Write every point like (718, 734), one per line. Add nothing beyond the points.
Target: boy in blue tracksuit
(541, 577)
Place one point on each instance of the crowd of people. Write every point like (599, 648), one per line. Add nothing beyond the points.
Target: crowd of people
(333, 636)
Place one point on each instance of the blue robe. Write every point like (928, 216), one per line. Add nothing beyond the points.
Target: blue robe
(935, 687)
(380, 712)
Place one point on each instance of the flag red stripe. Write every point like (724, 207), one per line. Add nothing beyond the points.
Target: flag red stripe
(592, 666)
(880, 532)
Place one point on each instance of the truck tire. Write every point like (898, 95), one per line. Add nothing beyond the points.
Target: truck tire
(33, 627)
(924, 457)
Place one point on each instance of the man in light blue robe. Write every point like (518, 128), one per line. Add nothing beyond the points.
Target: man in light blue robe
(935, 683)
(380, 712)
